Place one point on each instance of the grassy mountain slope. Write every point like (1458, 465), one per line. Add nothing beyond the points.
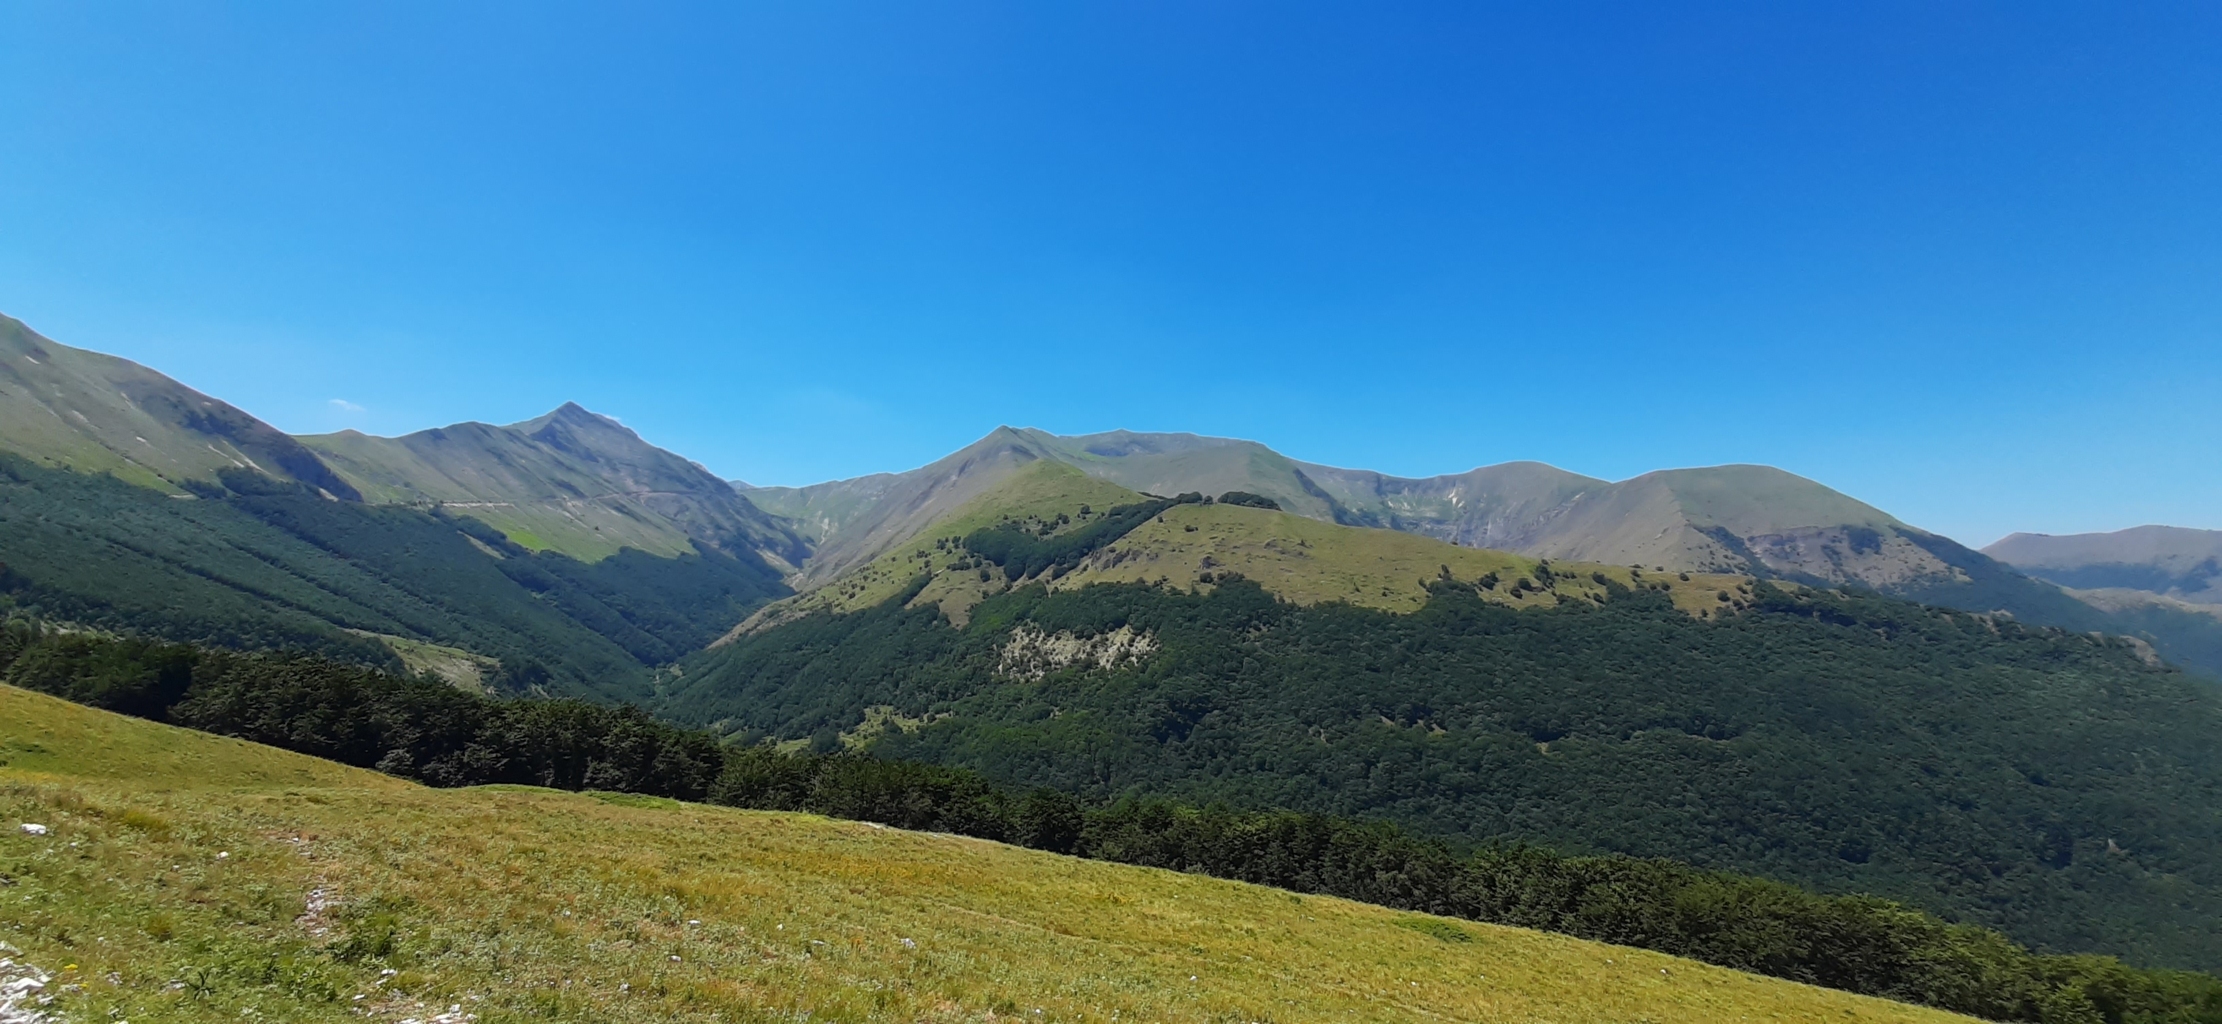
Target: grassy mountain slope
(1034, 488)
(860, 521)
(1178, 463)
(2057, 786)
(1191, 545)
(1305, 561)
(294, 570)
(2169, 561)
(864, 517)
(1745, 520)
(1502, 506)
(516, 904)
(69, 408)
(822, 510)
(569, 481)
(1733, 519)
(1736, 520)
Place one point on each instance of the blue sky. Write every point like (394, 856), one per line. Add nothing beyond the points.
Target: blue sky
(1961, 260)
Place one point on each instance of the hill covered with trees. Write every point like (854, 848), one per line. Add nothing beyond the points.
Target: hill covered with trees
(424, 730)
(2058, 786)
(260, 563)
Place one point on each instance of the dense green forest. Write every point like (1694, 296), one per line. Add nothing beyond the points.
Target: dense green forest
(260, 564)
(427, 731)
(1024, 549)
(2051, 785)
(2188, 638)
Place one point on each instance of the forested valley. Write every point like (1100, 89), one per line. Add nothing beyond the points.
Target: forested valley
(428, 731)
(257, 563)
(2056, 786)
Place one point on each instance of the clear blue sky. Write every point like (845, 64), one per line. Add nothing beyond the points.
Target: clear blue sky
(1961, 260)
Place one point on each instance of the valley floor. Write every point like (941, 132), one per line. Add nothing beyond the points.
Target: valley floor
(189, 877)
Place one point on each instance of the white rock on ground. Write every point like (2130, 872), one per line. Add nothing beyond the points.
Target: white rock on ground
(33, 829)
(22, 990)
(454, 1015)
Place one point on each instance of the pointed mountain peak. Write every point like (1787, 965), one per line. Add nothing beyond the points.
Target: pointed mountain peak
(1024, 440)
(570, 414)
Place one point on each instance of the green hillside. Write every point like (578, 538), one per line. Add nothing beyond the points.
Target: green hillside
(69, 408)
(288, 569)
(1039, 489)
(820, 511)
(1733, 520)
(857, 521)
(1725, 518)
(1177, 463)
(2056, 786)
(1504, 506)
(1195, 544)
(1305, 562)
(187, 877)
(570, 482)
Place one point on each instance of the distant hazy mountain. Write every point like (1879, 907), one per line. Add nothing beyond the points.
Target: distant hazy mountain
(68, 408)
(2169, 561)
(570, 481)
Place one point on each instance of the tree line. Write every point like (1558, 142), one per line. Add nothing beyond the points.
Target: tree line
(2049, 785)
(424, 730)
(261, 564)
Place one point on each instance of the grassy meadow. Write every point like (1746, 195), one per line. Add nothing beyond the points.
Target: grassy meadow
(188, 877)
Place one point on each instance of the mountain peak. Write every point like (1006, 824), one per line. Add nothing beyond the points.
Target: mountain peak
(570, 414)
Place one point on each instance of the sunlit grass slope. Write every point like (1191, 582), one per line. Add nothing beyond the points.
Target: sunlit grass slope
(1042, 490)
(1308, 561)
(1299, 559)
(186, 877)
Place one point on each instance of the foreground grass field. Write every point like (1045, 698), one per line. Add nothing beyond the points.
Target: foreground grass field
(189, 877)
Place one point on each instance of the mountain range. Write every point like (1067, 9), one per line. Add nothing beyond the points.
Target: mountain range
(570, 481)
(2164, 561)
(1738, 519)
(1721, 519)
(1730, 666)
(579, 485)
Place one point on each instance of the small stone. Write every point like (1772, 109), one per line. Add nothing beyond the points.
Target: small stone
(33, 829)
